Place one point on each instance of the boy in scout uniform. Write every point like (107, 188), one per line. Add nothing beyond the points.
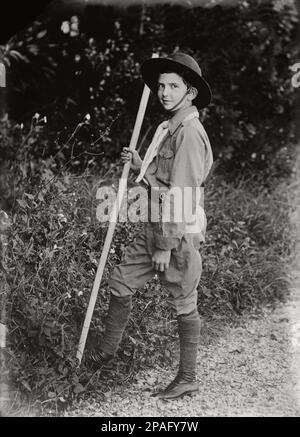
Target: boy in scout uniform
(179, 156)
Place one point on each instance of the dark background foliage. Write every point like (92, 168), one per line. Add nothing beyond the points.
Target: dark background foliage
(92, 65)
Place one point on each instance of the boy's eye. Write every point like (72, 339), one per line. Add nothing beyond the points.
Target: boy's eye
(172, 86)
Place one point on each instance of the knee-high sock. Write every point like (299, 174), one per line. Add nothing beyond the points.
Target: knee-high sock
(189, 326)
(116, 321)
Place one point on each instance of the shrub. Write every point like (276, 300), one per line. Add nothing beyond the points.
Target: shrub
(248, 241)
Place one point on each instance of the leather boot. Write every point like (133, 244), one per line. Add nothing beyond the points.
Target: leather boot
(116, 321)
(185, 382)
(177, 388)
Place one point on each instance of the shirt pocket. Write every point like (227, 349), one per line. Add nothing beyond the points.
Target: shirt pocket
(165, 164)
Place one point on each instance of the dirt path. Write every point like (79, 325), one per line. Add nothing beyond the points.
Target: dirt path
(251, 370)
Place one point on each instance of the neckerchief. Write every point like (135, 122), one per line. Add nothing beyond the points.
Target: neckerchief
(160, 134)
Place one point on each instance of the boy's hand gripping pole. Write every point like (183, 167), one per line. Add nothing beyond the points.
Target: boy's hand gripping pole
(112, 223)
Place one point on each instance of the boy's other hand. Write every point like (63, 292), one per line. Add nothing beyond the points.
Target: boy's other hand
(128, 154)
(161, 259)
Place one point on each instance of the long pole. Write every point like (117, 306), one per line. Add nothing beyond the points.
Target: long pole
(112, 223)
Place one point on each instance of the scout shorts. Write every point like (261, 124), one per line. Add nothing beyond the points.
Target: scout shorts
(180, 279)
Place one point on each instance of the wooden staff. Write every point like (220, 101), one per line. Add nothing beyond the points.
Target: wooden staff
(112, 223)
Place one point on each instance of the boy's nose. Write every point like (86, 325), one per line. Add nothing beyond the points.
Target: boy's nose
(165, 92)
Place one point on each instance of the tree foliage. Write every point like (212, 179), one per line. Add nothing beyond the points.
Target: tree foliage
(245, 51)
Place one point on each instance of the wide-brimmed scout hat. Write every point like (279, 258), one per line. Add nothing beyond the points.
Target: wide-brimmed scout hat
(152, 67)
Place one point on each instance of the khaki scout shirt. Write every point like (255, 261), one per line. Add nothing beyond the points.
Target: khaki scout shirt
(184, 159)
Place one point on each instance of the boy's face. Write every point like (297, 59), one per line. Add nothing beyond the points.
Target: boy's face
(171, 90)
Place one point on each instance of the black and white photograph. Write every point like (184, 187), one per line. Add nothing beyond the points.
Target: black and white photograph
(150, 211)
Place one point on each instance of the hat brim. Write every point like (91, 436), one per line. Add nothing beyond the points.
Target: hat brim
(151, 68)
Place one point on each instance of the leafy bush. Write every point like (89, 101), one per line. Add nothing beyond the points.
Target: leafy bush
(25, 151)
(247, 244)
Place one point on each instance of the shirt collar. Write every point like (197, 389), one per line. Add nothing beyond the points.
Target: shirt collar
(177, 119)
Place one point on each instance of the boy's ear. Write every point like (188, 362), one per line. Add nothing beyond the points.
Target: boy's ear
(193, 92)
